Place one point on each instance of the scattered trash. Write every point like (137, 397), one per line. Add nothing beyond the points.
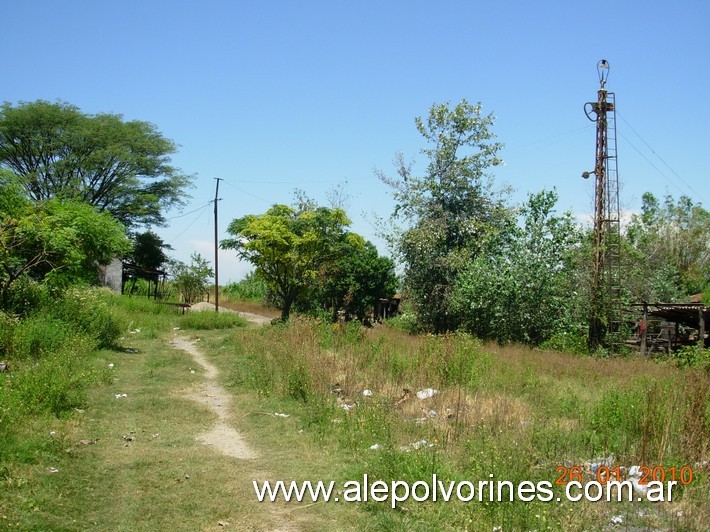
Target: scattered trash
(135, 331)
(405, 397)
(129, 437)
(223, 523)
(192, 371)
(187, 477)
(130, 350)
(426, 393)
(596, 463)
(336, 389)
(375, 447)
(120, 395)
(617, 520)
(367, 393)
(110, 366)
(52, 432)
(4, 366)
(416, 445)
(79, 410)
(86, 442)
(53, 470)
(176, 328)
(635, 476)
(346, 404)
(279, 414)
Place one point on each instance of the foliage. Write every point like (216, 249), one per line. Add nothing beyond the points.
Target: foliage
(451, 210)
(60, 242)
(122, 167)
(517, 289)
(672, 250)
(251, 288)
(148, 251)
(354, 282)
(693, 356)
(289, 246)
(190, 280)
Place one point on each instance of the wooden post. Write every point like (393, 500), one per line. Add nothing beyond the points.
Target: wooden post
(701, 327)
(643, 328)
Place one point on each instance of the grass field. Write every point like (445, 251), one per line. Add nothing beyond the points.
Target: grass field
(134, 462)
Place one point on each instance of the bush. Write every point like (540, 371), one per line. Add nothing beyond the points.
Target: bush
(88, 312)
(7, 325)
(56, 383)
(567, 342)
(39, 336)
(693, 356)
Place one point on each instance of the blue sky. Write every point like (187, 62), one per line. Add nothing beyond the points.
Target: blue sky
(272, 96)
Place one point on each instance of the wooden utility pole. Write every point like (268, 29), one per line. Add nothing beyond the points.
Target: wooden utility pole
(216, 248)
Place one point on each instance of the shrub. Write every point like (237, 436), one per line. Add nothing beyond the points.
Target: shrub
(7, 324)
(38, 336)
(87, 311)
(56, 383)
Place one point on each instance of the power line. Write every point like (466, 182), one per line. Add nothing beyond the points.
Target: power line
(656, 154)
(650, 163)
(187, 213)
(201, 209)
(246, 192)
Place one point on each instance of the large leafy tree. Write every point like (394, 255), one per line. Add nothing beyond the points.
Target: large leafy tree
(450, 211)
(121, 167)
(518, 288)
(669, 244)
(356, 281)
(289, 246)
(149, 251)
(55, 241)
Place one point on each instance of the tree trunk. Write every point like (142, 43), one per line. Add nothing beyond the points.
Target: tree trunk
(286, 310)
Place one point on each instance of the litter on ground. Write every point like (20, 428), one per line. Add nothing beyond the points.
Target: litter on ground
(426, 393)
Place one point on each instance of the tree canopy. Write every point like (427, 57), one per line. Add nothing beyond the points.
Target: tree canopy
(121, 167)
(289, 246)
(55, 240)
(450, 211)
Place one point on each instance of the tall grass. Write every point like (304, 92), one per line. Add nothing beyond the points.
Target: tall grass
(509, 411)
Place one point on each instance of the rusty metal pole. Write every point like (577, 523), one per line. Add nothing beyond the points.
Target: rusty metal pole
(596, 324)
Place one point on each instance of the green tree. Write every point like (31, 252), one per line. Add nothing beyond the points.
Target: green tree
(450, 211)
(289, 246)
(122, 167)
(148, 251)
(518, 289)
(191, 279)
(356, 281)
(670, 246)
(59, 242)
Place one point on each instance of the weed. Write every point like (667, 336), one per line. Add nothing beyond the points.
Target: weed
(210, 320)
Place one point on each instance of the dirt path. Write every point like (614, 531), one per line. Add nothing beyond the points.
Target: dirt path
(250, 317)
(226, 439)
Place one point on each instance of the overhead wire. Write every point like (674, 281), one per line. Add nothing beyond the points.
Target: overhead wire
(229, 183)
(188, 213)
(201, 210)
(657, 155)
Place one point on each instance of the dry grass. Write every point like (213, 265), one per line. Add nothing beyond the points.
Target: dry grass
(523, 411)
